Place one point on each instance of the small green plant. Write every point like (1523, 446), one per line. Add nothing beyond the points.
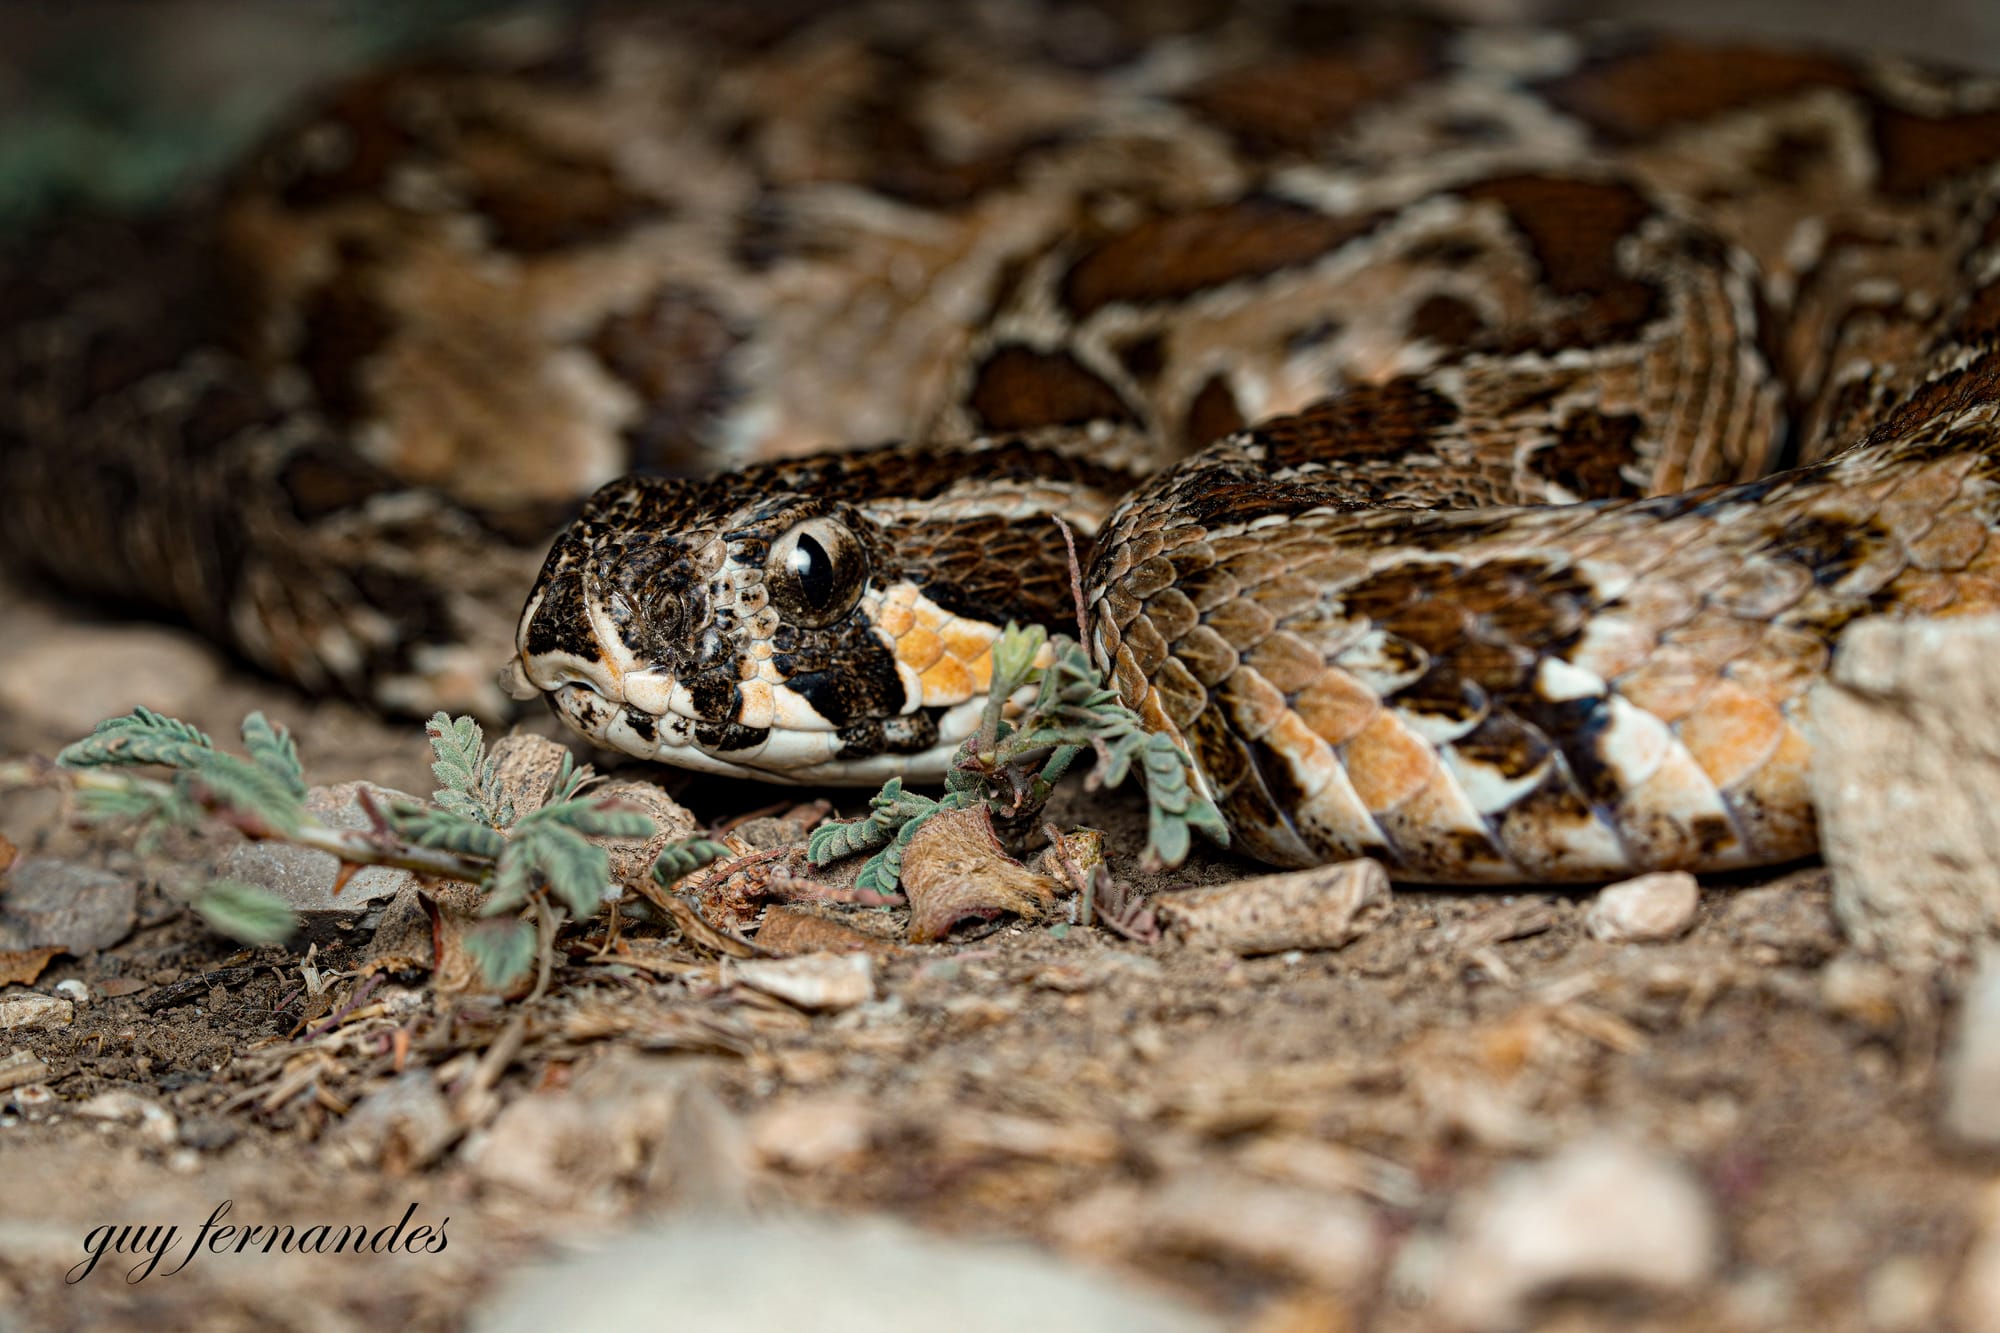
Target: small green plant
(1013, 765)
(535, 869)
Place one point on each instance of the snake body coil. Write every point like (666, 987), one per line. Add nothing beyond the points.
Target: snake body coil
(1456, 362)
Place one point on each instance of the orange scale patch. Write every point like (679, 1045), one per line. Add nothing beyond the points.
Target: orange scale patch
(1731, 733)
(1254, 705)
(949, 682)
(1781, 667)
(1923, 592)
(1310, 759)
(967, 640)
(1669, 685)
(1972, 596)
(919, 649)
(1773, 806)
(1388, 763)
(1336, 706)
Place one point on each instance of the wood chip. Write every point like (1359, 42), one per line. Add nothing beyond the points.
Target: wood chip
(18, 1068)
(788, 931)
(1322, 908)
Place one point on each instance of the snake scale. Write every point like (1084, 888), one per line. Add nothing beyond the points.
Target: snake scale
(1482, 433)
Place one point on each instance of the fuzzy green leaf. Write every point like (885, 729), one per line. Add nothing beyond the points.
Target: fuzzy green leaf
(503, 950)
(684, 857)
(139, 737)
(468, 784)
(245, 912)
(576, 872)
(150, 807)
(447, 830)
(272, 749)
(592, 818)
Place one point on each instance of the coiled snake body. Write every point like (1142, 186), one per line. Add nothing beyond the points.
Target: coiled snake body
(1482, 344)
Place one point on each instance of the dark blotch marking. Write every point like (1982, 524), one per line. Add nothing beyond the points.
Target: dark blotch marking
(1143, 357)
(727, 737)
(343, 325)
(324, 479)
(1637, 93)
(1019, 388)
(673, 350)
(1573, 229)
(1213, 413)
(1391, 420)
(1918, 152)
(1587, 456)
(1295, 105)
(1171, 257)
(1447, 321)
(644, 725)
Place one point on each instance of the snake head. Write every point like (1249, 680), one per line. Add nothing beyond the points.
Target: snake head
(786, 622)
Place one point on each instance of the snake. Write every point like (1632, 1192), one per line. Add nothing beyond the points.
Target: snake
(1478, 436)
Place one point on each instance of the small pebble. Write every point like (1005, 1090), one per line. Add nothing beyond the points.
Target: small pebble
(73, 990)
(1644, 910)
(1599, 1213)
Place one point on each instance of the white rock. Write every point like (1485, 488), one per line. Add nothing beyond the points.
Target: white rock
(820, 981)
(1600, 1212)
(1972, 1067)
(1644, 910)
(156, 1124)
(849, 1275)
(1906, 769)
(73, 990)
(34, 1011)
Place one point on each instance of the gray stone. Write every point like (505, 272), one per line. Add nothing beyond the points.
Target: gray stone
(46, 903)
(305, 878)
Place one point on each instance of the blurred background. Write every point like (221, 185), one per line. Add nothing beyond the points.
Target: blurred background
(119, 102)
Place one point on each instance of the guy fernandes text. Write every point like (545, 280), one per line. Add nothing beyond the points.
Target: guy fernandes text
(149, 1245)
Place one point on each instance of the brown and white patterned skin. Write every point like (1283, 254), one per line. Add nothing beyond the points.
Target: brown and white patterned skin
(1446, 306)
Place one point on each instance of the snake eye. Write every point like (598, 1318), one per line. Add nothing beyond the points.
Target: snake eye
(816, 572)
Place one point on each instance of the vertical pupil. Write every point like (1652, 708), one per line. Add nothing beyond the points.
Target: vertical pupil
(814, 569)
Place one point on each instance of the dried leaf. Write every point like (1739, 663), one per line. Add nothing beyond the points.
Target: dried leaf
(954, 868)
(20, 967)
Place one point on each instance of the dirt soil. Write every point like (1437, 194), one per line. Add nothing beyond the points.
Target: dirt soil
(1304, 1140)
